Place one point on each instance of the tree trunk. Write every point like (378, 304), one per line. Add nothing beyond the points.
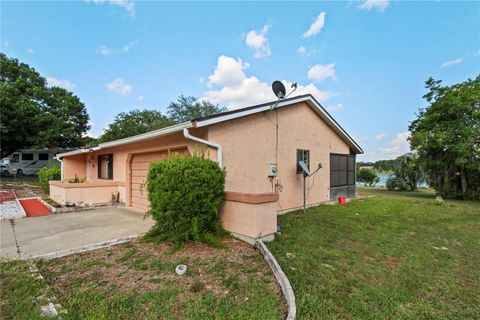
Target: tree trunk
(464, 181)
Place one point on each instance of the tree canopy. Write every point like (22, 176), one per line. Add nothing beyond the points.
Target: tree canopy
(367, 177)
(127, 124)
(135, 122)
(189, 108)
(446, 136)
(35, 115)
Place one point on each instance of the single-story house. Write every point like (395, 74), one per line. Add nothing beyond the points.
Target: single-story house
(258, 146)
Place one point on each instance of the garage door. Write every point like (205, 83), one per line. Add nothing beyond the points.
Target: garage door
(139, 170)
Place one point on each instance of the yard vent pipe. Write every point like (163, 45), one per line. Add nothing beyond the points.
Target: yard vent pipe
(188, 136)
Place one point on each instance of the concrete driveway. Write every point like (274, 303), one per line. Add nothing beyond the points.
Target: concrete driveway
(23, 238)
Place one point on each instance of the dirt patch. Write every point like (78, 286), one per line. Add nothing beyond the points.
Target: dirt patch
(140, 266)
(393, 263)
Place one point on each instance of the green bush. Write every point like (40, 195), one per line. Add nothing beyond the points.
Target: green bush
(185, 195)
(367, 177)
(46, 174)
(396, 184)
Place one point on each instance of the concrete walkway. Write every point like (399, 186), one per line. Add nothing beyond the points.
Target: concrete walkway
(23, 238)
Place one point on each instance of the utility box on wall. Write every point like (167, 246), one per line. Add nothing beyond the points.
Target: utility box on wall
(272, 169)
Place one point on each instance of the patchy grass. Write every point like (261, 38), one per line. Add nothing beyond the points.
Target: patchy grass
(32, 180)
(136, 280)
(389, 255)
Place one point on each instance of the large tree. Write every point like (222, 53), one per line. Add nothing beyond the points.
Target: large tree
(446, 136)
(127, 124)
(188, 108)
(35, 115)
(135, 122)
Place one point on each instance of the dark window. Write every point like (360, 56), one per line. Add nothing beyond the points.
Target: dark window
(43, 156)
(342, 170)
(15, 158)
(27, 156)
(105, 166)
(303, 155)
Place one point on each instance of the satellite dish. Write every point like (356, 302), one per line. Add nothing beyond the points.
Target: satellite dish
(279, 89)
(304, 167)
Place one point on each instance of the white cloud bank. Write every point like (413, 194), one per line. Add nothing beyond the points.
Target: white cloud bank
(379, 5)
(127, 5)
(230, 86)
(119, 86)
(451, 62)
(62, 83)
(397, 146)
(258, 42)
(380, 136)
(320, 72)
(316, 26)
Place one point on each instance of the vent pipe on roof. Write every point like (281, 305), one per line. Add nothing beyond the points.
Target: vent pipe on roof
(188, 136)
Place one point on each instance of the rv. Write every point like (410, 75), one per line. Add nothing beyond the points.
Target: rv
(28, 162)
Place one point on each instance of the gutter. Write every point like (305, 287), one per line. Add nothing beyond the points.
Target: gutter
(61, 166)
(188, 136)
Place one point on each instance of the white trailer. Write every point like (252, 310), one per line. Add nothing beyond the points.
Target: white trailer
(29, 161)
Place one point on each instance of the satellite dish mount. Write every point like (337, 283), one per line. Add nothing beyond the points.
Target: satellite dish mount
(279, 90)
(306, 173)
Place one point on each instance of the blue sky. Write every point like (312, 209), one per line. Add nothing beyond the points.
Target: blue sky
(365, 61)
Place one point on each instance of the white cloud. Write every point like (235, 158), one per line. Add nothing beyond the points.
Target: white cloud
(316, 26)
(451, 62)
(120, 86)
(129, 46)
(397, 146)
(258, 42)
(127, 5)
(30, 51)
(336, 107)
(228, 72)
(321, 72)
(104, 51)
(380, 136)
(230, 86)
(302, 50)
(62, 83)
(379, 5)
(140, 98)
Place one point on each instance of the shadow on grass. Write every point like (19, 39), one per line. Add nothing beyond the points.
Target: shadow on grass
(422, 194)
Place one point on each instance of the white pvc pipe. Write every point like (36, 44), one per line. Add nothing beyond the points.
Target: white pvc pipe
(61, 167)
(187, 135)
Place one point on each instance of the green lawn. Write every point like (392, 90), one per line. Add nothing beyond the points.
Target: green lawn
(137, 281)
(388, 255)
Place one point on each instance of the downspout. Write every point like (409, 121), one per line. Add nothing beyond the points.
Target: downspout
(188, 136)
(61, 167)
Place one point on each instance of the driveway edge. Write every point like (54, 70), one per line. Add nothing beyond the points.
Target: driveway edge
(281, 279)
(85, 248)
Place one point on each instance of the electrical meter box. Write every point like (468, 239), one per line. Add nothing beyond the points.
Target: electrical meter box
(272, 169)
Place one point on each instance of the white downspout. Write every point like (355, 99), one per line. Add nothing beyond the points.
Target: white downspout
(187, 135)
(61, 167)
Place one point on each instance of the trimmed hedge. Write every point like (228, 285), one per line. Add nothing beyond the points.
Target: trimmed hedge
(185, 195)
(46, 174)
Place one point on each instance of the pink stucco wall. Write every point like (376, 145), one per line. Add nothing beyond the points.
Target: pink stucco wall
(249, 145)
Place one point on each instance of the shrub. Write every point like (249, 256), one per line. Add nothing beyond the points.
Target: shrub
(367, 176)
(185, 195)
(46, 174)
(396, 184)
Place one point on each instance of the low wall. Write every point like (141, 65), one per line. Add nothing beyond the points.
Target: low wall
(88, 192)
(250, 216)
